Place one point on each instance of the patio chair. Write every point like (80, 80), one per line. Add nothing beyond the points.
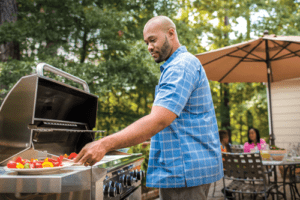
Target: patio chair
(294, 179)
(246, 171)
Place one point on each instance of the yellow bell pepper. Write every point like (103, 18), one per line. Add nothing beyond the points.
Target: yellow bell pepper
(47, 164)
(20, 166)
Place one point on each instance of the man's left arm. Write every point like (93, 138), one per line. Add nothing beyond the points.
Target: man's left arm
(137, 132)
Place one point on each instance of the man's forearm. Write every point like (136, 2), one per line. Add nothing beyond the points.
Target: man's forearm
(134, 134)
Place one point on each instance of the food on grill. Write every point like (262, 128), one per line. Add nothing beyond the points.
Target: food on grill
(28, 166)
(19, 166)
(47, 164)
(12, 164)
(72, 155)
(20, 163)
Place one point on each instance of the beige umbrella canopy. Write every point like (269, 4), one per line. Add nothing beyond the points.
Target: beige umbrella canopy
(267, 59)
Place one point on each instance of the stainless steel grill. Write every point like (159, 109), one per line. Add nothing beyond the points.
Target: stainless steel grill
(41, 117)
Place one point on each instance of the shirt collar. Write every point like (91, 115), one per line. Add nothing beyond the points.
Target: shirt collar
(181, 49)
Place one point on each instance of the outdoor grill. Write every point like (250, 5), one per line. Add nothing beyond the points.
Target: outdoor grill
(41, 117)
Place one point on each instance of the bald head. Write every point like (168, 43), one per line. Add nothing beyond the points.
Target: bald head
(160, 22)
(161, 38)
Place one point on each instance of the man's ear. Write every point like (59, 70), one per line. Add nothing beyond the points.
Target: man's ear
(171, 32)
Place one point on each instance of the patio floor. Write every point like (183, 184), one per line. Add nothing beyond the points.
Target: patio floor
(219, 195)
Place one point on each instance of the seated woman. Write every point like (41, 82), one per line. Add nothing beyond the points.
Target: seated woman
(255, 143)
(225, 147)
(224, 139)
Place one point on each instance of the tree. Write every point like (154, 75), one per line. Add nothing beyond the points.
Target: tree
(282, 17)
(8, 14)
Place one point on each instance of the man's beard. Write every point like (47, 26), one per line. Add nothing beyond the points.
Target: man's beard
(165, 51)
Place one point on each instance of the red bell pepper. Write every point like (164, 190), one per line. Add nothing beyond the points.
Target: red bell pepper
(60, 159)
(38, 165)
(19, 160)
(51, 160)
(11, 164)
(32, 165)
(55, 164)
(72, 155)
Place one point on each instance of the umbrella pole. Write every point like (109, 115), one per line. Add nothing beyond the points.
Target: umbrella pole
(272, 137)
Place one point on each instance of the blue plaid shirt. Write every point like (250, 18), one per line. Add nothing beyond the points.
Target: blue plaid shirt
(187, 153)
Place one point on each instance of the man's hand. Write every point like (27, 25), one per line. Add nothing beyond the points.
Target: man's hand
(138, 132)
(91, 153)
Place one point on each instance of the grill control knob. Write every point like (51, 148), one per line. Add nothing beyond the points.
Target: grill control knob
(123, 180)
(133, 174)
(129, 180)
(111, 184)
(112, 192)
(119, 188)
(140, 175)
(105, 190)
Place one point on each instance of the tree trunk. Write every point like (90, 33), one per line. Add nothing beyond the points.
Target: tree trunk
(247, 17)
(225, 100)
(84, 46)
(241, 130)
(225, 110)
(8, 13)
(249, 119)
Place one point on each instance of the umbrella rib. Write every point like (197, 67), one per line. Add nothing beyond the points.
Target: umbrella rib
(250, 59)
(284, 47)
(292, 52)
(240, 61)
(288, 55)
(254, 61)
(253, 54)
(220, 57)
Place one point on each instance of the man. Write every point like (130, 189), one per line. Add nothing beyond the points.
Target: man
(185, 156)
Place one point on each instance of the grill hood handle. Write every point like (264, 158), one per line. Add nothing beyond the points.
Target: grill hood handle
(44, 66)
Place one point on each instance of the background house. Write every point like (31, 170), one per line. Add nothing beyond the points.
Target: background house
(286, 112)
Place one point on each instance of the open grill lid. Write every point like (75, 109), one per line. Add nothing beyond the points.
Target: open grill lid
(46, 114)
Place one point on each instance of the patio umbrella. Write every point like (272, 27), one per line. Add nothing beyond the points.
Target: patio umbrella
(267, 59)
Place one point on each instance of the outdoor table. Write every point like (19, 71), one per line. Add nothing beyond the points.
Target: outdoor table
(286, 165)
(237, 148)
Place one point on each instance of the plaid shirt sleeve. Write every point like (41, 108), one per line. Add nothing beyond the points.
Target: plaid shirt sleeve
(174, 89)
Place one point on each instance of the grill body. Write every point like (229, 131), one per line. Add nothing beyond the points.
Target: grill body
(41, 117)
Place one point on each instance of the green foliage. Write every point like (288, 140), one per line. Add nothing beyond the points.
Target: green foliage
(11, 72)
(282, 17)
